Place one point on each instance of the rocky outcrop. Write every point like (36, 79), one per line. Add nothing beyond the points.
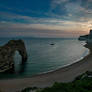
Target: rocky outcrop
(7, 54)
(87, 38)
(83, 38)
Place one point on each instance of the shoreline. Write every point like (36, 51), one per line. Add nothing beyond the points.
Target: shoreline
(76, 61)
(65, 74)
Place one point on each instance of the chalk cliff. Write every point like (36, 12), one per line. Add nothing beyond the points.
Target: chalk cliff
(7, 54)
(86, 37)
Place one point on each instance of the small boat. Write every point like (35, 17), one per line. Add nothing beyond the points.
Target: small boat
(52, 44)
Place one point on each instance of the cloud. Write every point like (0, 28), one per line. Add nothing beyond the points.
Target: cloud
(43, 27)
(61, 29)
(55, 3)
(65, 17)
(77, 10)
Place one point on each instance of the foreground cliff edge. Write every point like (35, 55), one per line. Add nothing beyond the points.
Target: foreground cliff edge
(7, 55)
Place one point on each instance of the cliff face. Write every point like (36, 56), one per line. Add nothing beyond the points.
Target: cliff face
(83, 38)
(86, 37)
(7, 54)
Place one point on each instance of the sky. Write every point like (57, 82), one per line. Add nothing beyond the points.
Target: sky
(45, 18)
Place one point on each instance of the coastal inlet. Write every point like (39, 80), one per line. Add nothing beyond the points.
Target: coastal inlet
(43, 55)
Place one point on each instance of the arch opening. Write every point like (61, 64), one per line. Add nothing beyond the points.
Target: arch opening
(17, 61)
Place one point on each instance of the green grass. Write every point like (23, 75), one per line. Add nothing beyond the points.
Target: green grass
(84, 85)
(81, 84)
(28, 89)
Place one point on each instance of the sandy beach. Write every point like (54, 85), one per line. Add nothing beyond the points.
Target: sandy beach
(65, 74)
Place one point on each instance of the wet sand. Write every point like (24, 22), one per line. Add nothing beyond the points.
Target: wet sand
(65, 74)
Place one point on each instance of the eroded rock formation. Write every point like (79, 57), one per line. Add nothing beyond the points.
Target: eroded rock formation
(87, 37)
(7, 54)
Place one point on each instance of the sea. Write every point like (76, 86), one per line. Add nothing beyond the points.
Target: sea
(46, 55)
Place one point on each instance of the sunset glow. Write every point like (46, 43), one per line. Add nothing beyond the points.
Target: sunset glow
(50, 18)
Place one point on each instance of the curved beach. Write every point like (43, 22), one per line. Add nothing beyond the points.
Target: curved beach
(65, 74)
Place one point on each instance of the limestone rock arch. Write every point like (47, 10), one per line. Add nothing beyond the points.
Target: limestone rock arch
(7, 54)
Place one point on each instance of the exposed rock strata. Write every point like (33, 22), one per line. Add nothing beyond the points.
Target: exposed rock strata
(7, 54)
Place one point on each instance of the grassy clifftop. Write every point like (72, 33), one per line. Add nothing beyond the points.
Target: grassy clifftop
(82, 83)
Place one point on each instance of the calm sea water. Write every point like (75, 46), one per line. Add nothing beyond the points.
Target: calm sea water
(43, 57)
